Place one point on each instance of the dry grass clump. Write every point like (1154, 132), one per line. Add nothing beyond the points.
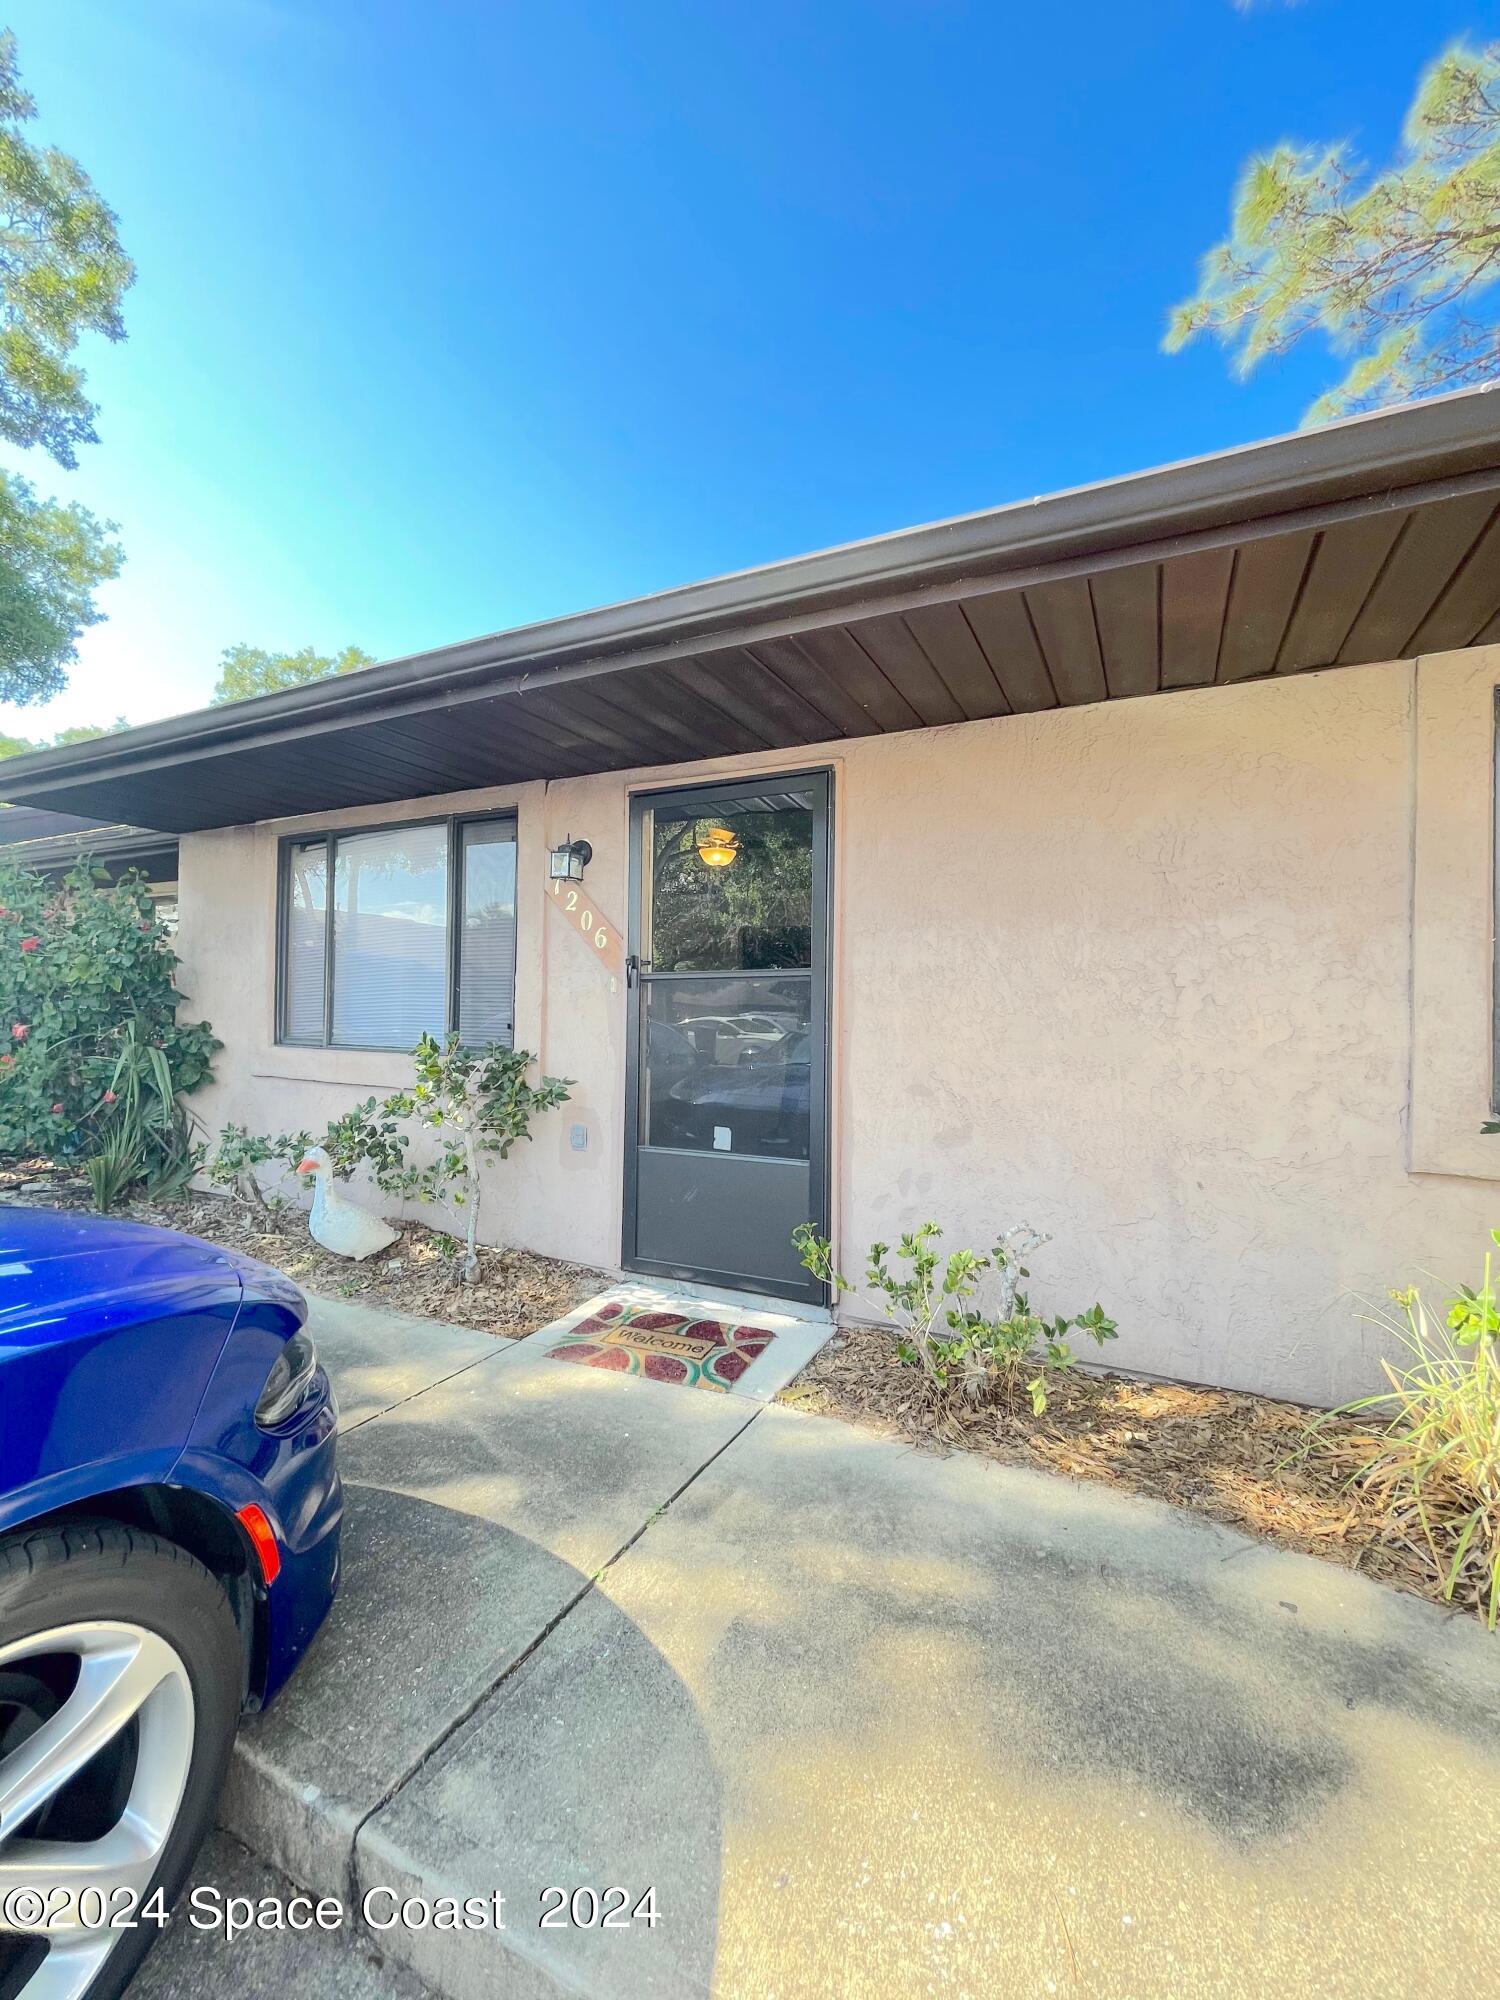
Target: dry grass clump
(1431, 1465)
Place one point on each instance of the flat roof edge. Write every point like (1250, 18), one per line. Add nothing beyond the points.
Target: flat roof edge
(1366, 456)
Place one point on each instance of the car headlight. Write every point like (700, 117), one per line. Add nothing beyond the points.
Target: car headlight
(288, 1382)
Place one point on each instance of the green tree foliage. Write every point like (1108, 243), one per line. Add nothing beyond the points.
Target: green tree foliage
(81, 732)
(1396, 268)
(62, 274)
(88, 1019)
(248, 670)
(52, 558)
(470, 1102)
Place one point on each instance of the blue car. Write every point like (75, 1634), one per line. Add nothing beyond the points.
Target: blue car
(169, 1544)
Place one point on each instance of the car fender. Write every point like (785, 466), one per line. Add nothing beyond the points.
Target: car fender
(107, 1392)
(75, 1485)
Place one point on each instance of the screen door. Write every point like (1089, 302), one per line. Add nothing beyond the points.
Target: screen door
(727, 1122)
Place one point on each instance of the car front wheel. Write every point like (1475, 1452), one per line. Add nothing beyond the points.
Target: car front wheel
(120, 1678)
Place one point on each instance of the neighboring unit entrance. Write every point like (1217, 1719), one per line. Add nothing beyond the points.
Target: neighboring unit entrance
(726, 1119)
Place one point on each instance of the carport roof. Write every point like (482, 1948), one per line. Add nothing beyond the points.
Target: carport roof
(51, 842)
(1367, 540)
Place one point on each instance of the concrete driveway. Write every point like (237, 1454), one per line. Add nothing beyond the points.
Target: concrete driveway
(867, 1721)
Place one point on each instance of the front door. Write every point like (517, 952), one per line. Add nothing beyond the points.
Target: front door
(727, 1123)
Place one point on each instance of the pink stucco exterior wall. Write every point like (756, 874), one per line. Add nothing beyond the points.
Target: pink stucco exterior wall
(1142, 974)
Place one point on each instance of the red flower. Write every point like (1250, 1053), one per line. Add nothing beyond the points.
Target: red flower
(109, 1097)
(7, 1060)
(19, 1031)
(56, 1110)
(30, 944)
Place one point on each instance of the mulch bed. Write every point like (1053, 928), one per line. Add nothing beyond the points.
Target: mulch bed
(1231, 1456)
(515, 1293)
(1216, 1451)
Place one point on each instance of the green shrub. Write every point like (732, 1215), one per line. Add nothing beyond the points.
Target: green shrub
(92, 1047)
(1434, 1463)
(959, 1349)
(367, 1135)
(473, 1102)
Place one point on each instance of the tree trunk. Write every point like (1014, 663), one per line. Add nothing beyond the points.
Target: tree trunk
(250, 1189)
(471, 1238)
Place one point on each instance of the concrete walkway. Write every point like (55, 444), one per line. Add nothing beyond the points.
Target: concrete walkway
(868, 1721)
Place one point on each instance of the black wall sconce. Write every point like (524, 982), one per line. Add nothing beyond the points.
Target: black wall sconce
(568, 862)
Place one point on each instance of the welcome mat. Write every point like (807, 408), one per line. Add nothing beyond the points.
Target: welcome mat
(666, 1346)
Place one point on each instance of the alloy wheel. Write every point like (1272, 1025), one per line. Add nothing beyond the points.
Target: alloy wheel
(96, 1742)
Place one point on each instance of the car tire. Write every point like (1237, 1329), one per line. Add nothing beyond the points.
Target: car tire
(80, 1572)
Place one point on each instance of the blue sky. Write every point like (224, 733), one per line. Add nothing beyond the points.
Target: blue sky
(459, 315)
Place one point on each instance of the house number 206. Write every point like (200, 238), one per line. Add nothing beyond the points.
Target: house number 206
(576, 908)
(590, 924)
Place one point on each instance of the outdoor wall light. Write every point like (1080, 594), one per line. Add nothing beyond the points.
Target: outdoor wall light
(717, 846)
(569, 861)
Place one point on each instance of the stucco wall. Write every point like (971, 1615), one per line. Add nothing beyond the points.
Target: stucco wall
(1141, 974)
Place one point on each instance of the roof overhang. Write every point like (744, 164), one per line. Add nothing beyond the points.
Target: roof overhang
(1373, 539)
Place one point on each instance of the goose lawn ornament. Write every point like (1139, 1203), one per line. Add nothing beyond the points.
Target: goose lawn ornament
(336, 1222)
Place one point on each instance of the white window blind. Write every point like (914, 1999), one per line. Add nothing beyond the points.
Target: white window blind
(304, 940)
(487, 943)
(391, 969)
(390, 937)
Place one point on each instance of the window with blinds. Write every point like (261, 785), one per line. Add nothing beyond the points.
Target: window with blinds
(391, 932)
(487, 940)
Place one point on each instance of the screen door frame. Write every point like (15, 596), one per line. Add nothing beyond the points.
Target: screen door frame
(819, 782)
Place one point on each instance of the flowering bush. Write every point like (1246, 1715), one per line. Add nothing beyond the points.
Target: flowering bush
(88, 1019)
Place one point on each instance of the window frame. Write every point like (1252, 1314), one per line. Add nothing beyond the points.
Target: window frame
(455, 823)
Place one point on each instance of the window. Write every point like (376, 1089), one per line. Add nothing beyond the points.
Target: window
(392, 932)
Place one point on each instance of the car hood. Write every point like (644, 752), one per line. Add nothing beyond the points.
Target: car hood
(56, 1267)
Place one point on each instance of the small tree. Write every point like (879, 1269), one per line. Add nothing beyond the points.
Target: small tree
(474, 1102)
